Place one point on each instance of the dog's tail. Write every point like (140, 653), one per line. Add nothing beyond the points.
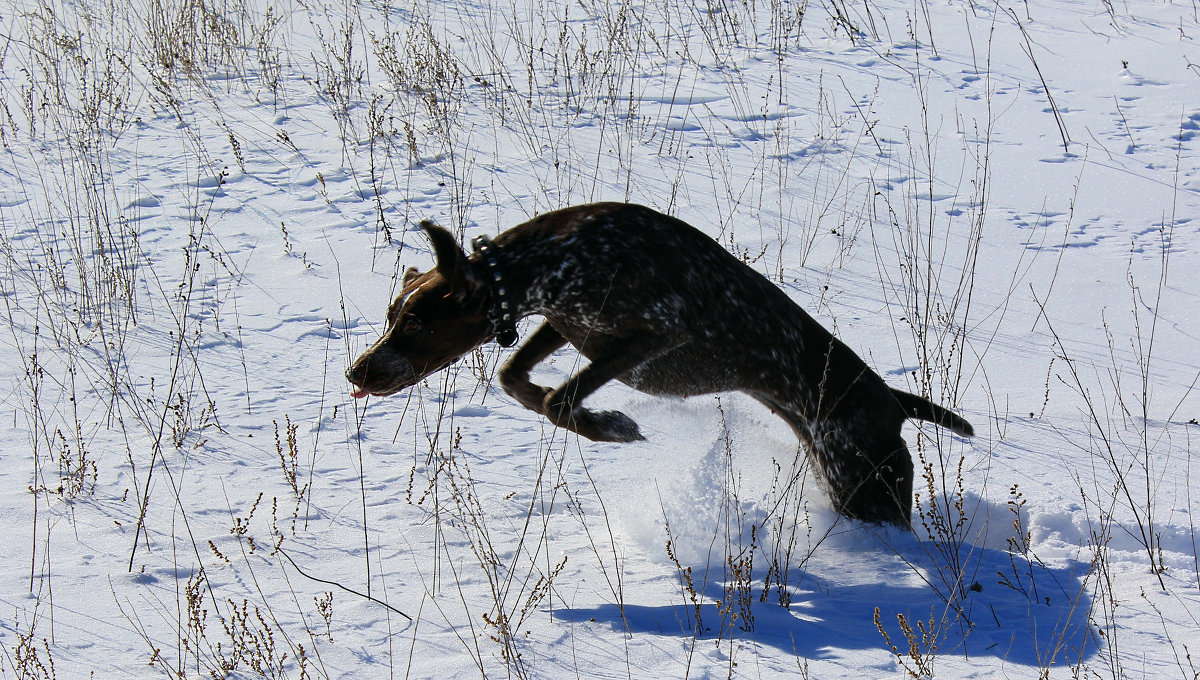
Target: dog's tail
(923, 409)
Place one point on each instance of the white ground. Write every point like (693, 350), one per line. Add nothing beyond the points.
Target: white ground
(205, 210)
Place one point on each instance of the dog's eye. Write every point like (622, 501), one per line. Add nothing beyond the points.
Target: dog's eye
(411, 325)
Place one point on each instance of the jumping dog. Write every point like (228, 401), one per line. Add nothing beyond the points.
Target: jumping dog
(662, 307)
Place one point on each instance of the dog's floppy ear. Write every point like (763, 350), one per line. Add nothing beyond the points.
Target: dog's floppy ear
(411, 274)
(452, 261)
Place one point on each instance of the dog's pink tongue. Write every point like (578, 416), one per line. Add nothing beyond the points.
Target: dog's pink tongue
(359, 393)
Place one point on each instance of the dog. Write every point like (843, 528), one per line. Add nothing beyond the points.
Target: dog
(658, 305)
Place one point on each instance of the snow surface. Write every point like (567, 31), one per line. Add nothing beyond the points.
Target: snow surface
(206, 209)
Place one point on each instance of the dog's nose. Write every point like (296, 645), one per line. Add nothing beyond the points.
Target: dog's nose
(354, 374)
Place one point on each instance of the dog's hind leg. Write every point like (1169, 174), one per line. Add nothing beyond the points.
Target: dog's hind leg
(869, 480)
(514, 376)
(875, 486)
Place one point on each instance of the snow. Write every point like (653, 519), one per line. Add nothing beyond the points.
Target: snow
(206, 209)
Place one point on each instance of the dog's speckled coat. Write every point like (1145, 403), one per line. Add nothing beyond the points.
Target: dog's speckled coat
(660, 306)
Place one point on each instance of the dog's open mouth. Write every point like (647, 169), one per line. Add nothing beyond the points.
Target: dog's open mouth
(360, 392)
(379, 382)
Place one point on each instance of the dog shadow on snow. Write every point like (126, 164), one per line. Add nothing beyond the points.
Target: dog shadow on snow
(1013, 607)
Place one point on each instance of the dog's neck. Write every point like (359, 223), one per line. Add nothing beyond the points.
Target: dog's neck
(502, 311)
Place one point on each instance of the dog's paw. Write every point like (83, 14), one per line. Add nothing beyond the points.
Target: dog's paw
(614, 426)
(599, 426)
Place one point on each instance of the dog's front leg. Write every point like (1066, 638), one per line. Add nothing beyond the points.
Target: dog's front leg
(514, 375)
(562, 404)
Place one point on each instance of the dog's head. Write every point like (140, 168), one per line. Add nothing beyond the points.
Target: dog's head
(439, 316)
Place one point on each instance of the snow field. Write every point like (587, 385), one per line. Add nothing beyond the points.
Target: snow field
(206, 208)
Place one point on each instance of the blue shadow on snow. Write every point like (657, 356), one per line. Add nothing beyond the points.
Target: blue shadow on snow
(1018, 610)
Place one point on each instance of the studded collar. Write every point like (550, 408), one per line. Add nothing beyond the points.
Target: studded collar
(502, 311)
